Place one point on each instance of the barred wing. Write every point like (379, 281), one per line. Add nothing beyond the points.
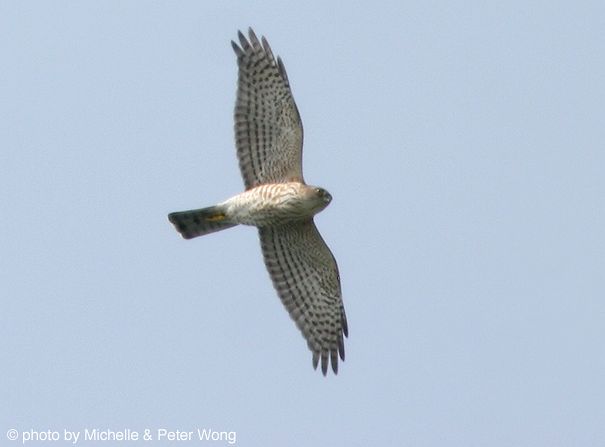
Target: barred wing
(268, 129)
(305, 275)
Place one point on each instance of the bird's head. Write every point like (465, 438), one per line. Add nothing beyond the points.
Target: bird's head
(319, 198)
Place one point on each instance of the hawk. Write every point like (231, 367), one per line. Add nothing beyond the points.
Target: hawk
(269, 139)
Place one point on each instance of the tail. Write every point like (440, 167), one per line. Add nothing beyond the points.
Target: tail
(194, 223)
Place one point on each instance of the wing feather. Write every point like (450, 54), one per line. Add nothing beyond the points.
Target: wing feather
(268, 128)
(305, 275)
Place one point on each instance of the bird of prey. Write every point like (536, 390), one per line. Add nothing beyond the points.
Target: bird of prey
(269, 139)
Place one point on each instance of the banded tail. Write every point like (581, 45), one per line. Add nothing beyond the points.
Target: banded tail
(194, 223)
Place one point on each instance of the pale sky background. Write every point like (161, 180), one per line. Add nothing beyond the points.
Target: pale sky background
(463, 145)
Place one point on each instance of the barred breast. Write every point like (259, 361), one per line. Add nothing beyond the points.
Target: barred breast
(271, 204)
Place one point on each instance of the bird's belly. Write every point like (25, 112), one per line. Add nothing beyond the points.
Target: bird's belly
(266, 214)
(267, 205)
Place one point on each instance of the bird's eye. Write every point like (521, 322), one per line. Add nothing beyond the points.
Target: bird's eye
(319, 191)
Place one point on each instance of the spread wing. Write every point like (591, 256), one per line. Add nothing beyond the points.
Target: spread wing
(268, 129)
(305, 275)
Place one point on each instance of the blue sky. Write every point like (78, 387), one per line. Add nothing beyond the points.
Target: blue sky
(463, 145)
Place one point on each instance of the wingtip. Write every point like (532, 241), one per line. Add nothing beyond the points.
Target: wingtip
(253, 39)
(267, 48)
(282, 69)
(341, 348)
(324, 363)
(238, 51)
(334, 361)
(242, 40)
(327, 359)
